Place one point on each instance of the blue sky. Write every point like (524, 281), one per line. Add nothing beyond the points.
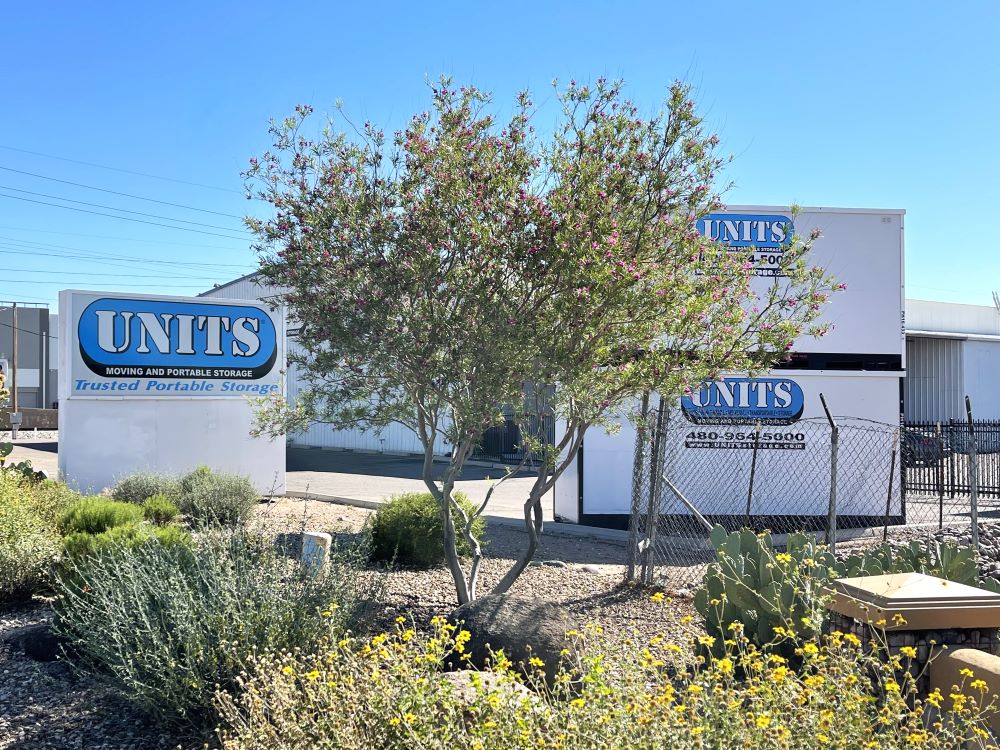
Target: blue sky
(884, 105)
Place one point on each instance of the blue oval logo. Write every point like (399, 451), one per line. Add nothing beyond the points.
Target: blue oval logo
(157, 338)
(748, 230)
(745, 401)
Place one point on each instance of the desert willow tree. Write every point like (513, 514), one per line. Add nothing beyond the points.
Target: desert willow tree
(443, 273)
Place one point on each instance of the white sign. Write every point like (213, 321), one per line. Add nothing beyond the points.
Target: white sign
(129, 346)
(152, 383)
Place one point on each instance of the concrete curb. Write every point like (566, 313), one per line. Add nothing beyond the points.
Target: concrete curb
(552, 528)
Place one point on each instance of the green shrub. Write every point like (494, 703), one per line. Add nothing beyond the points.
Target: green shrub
(92, 515)
(81, 543)
(139, 487)
(27, 548)
(165, 624)
(408, 529)
(47, 499)
(395, 696)
(207, 498)
(159, 510)
(29, 537)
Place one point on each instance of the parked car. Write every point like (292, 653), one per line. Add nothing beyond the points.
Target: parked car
(921, 448)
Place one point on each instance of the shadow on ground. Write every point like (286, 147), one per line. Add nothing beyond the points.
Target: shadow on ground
(380, 465)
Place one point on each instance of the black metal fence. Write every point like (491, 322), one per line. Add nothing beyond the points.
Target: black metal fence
(938, 458)
(504, 443)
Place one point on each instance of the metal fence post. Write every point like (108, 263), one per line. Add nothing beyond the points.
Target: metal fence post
(952, 432)
(940, 475)
(638, 466)
(831, 516)
(653, 509)
(888, 497)
(753, 473)
(973, 477)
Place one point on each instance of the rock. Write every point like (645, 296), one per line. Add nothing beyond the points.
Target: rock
(554, 563)
(315, 550)
(36, 641)
(465, 691)
(592, 569)
(523, 627)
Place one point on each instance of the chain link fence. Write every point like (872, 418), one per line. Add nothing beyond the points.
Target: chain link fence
(830, 476)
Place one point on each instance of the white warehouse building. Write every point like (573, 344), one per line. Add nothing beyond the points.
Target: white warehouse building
(952, 350)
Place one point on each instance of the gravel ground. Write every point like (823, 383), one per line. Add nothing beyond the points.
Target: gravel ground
(583, 574)
(48, 707)
(44, 705)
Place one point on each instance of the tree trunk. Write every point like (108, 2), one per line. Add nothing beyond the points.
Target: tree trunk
(533, 515)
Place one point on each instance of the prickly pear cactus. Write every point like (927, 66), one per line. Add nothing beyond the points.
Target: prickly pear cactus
(778, 598)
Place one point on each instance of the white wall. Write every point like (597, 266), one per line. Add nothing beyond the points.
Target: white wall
(951, 317)
(981, 363)
(862, 248)
(102, 440)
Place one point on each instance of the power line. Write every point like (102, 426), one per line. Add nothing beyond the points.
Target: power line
(102, 274)
(5, 250)
(25, 298)
(123, 239)
(38, 248)
(121, 210)
(96, 253)
(110, 283)
(116, 192)
(82, 250)
(123, 218)
(118, 169)
(23, 330)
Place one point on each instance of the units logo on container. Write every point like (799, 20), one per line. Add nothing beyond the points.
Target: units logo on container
(765, 235)
(745, 401)
(127, 337)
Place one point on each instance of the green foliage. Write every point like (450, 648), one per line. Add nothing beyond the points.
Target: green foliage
(409, 529)
(159, 510)
(207, 498)
(29, 539)
(79, 544)
(48, 499)
(27, 548)
(395, 696)
(165, 624)
(136, 488)
(767, 592)
(92, 515)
